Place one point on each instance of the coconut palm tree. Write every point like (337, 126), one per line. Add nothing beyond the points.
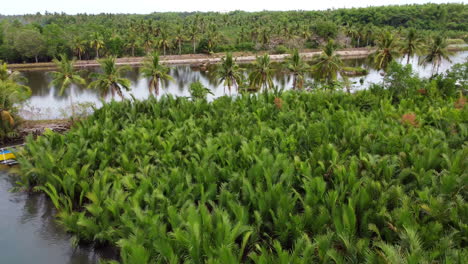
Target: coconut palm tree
(179, 38)
(97, 42)
(66, 74)
(131, 42)
(213, 37)
(261, 75)
(437, 52)
(79, 46)
(388, 49)
(194, 35)
(153, 69)
(229, 72)
(297, 67)
(164, 42)
(327, 66)
(411, 45)
(110, 79)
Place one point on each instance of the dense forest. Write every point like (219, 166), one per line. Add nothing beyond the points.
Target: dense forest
(42, 37)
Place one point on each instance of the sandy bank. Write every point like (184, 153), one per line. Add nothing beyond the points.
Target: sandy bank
(193, 59)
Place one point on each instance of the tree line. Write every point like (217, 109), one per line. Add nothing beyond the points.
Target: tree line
(43, 37)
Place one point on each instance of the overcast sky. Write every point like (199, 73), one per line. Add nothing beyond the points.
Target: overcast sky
(11, 7)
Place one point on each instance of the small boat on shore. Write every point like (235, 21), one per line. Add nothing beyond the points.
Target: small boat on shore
(7, 157)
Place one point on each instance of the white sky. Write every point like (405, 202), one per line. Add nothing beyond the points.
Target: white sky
(11, 7)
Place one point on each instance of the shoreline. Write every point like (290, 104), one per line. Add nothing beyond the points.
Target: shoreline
(37, 128)
(204, 59)
(195, 59)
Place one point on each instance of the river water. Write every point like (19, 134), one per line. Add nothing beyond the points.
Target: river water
(29, 233)
(46, 103)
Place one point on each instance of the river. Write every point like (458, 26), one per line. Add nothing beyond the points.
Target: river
(29, 233)
(46, 103)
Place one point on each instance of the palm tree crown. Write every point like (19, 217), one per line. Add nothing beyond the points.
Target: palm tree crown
(327, 66)
(229, 72)
(297, 67)
(411, 45)
(261, 76)
(437, 52)
(110, 79)
(153, 69)
(66, 75)
(388, 49)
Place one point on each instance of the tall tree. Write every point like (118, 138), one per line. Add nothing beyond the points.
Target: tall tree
(411, 45)
(228, 72)
(97, 42)
(30, 43)
(153, 69)
(79, 46)
(164, 41)
(388, 49)
(437, 52)
(297, 67)
(327, 66)
(261, 75)
(110, 79)
(194, 35)
(65, 76)
(179, 38)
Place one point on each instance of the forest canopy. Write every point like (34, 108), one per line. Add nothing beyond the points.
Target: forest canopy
(86, 36)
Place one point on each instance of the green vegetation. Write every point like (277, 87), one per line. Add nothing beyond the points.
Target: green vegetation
(12, 92)
(42, 37)
(377, 176)
(413, 45)
(66, 74)
(110, 79)
(353, 71)
(327, 66)
(261, 75)
(229, 72)
(156, 72)
(198, 91)
(437, 52)
(298, 68)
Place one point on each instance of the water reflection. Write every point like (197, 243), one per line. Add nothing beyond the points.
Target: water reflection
(47, 103)
(29, 233)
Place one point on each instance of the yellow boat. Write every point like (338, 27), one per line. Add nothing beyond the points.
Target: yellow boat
(7, 157)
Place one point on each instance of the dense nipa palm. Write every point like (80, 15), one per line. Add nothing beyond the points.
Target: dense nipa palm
(328, 178)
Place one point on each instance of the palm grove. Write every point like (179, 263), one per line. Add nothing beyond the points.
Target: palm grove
(42, 37)
(324, 69)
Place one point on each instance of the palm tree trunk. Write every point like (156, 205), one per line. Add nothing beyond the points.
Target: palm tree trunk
(294, 81)
(407, 59)
(97, 52)
(133, 51)
(156, 86)
(36, 59)
(180, 47)
(193, 46)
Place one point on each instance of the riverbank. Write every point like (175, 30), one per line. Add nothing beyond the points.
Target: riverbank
(195, 59)
(204, 59)
(37, 128)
